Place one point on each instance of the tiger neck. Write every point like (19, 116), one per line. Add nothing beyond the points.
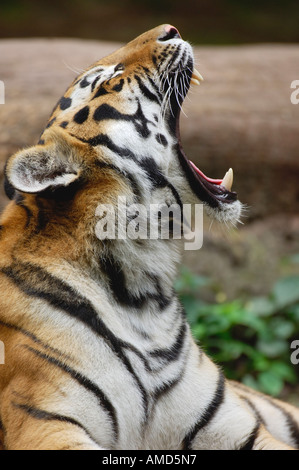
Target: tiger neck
(140, 275)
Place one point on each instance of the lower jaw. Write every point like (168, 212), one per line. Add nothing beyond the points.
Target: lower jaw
(210, 193)
(203, 194)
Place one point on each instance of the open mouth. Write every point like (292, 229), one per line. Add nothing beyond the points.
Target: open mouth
(209, 190)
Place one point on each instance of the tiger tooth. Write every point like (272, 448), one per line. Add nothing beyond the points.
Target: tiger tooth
(196, 77)
(227, 181)
(194, 81)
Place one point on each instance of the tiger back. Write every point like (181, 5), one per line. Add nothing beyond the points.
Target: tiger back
(98, 352)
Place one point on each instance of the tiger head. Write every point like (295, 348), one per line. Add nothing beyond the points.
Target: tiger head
(116, 130)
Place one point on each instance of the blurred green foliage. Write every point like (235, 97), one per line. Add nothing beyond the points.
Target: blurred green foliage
(201, 21)
(249, 339)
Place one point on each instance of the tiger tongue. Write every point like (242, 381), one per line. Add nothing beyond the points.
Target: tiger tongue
(227, 181)
(200, 173)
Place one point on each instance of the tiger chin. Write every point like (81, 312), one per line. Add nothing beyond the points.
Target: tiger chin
(98, 352)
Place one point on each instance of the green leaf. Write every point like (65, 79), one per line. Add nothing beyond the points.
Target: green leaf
(294, 258)
(260, 363)
(251, 340)
(270, 383)
(286, 291)
(189, 281)
(192, 308)
(250, 381)
(282, 328)
(199, 331)
(261, 306)
(284, 370)
(293, 311)
(273, 348)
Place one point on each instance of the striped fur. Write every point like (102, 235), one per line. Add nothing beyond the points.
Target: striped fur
(98, 353)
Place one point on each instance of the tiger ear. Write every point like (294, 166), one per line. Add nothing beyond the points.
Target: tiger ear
(42, 167)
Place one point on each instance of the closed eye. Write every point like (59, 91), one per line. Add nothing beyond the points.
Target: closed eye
(91, 78)
(102, 75)
(119, 68)
(95, 82)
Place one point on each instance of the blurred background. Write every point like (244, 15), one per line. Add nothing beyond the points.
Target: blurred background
(241, 290)
(202, 21)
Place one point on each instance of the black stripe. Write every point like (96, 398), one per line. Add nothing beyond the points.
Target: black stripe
(42, 219)
(148, 164)
(154, 173)
(248, 444)
(166, 387)
(105, 111)
(50, 123)
(34, 338)
(145, 91)
(103, 139)
(8, 187)
(171, 354)
(154, 85)
(157, 178)
(134, 185)
(294, 429)
(161, 139)
(208, 414)
(175, 55)
(100, 92)
(96, 81)
(117, 282)
(141, 122)
(138, 119)
(60, 295)
(254, 409)
(130, 178)
(2, 435)
(182, 60)
(86, 383)
(291, 423)
(43, 415)
(20, 202)
(84, 83)
(119, 86)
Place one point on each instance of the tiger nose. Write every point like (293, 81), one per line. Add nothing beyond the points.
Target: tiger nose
(170, 32)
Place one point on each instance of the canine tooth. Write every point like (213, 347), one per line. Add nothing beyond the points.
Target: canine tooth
(227, 181)
(195, 81)
(197, 76)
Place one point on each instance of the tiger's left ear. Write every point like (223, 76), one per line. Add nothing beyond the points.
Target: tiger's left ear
(55, 164)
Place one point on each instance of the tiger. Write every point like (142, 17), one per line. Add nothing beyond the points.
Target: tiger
(98, 351)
